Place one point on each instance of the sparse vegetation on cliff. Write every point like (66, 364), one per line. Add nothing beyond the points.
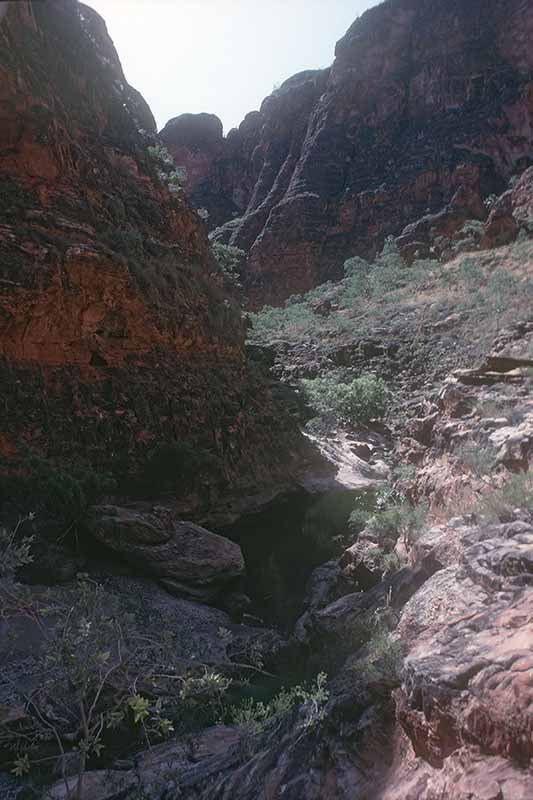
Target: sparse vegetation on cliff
(500, 504)
(174, 177)
(231, 262)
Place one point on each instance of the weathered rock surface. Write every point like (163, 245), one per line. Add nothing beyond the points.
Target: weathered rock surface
(165, 769)
(401, 125)
(110, 315)
(398, 129)
(467, 683)
(186, 558)
(463, 709)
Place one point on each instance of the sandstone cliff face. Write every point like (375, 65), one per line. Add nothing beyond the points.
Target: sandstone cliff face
(424, 101)
(249, 170)
(114, 336)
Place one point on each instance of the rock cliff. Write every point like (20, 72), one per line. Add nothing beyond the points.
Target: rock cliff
(138, 650)
(425, 103)
(115, 337)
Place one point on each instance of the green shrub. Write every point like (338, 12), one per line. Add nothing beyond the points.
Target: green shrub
(468, 238)
(370, 635)
(355, 403)
(404, 473)
(376, 558)
(470, 274)
(364, 507)
(400, 520)
(106, 681)
(174, 177)
(383, 660)
(358, 520)
(392, 517)
(375, 281)
(295, 319)
(363, 281)
(254, 717)
(501, 287)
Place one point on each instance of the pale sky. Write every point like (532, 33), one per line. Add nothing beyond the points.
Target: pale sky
(221, 56)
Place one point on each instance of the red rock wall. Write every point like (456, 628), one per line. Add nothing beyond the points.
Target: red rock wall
(114, 336)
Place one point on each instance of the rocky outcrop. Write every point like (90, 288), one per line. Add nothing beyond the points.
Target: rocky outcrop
(465, 700)
(111, 317)
(402, 126)
(185, 558)
(512, 212)
(249, 171)
(480, 424)
(196, 142)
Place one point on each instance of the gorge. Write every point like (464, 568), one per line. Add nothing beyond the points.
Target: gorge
(266, 430)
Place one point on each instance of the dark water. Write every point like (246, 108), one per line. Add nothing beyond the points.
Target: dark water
(285, 541)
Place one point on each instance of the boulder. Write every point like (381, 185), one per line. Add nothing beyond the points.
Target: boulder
(512, 212)
(184, 557)
(514, 444)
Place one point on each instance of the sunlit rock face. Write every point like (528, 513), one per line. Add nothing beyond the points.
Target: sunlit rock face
(114, 334)
(424, 100)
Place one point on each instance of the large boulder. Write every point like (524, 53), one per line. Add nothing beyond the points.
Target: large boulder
(186, 558)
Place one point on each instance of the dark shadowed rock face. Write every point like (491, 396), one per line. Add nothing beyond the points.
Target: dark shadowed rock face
(249, 171)
(110, 314)
(196, 142)
(425, 101)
